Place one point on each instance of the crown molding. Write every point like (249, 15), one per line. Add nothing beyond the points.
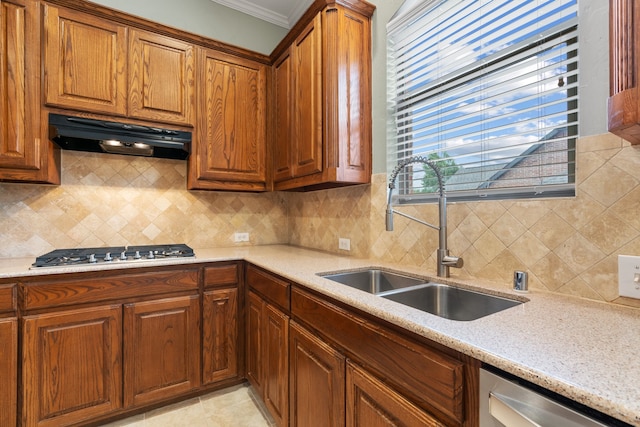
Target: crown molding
(260, 12)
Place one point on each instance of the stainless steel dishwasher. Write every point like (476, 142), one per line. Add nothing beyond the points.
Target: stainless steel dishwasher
(506, 401)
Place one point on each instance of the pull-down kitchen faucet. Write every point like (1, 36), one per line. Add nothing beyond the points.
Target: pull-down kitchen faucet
(444, 259)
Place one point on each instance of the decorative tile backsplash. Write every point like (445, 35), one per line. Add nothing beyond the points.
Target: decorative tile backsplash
(567, 245)
(107, 200)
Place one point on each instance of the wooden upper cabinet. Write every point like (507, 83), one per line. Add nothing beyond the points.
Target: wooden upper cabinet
(229, 150)
(161, 78)
(85, 62)
(624, 71)
(329, 102)
(25, 154)
(307, 100)
(282, 128)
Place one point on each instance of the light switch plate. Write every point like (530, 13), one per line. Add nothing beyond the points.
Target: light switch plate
(629, 276)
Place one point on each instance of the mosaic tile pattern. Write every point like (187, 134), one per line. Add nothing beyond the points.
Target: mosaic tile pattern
(567, 245)
(108, 200)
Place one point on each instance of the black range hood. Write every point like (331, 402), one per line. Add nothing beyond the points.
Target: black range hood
(99, 136)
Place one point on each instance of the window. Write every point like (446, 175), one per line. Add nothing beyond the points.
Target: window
(488, 90)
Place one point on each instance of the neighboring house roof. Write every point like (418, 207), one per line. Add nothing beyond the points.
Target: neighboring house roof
(487, 176)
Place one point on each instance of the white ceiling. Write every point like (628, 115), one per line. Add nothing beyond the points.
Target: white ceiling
(284, 13)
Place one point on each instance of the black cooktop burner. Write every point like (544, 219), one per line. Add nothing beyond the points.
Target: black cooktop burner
(113, 254)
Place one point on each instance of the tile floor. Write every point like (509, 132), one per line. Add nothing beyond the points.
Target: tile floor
(232, 407)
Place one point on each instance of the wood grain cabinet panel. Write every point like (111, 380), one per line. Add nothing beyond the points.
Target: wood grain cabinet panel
(161, 78)
(85, 62)
(161, 349)
(220, 335)
(254, 362)
(276, 364)
(329, 106)
(230, 148)
(317, 379)
(267, 356)
(282, 128)
(624, 71)
(307, 100)
(26, 155)
(371, 403)
(71, 365)
(8, 371)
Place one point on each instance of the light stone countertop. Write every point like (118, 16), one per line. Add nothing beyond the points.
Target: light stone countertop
(585, 350)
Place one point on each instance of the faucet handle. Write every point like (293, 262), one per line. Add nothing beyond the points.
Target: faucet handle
(452, 261)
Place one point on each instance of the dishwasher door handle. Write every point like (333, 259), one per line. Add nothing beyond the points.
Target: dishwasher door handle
(506, 410)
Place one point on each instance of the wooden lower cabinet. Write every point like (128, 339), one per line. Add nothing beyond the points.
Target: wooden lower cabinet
(71, 365)
(276, 364)
(219, 335)
(254, 358)
(8, 371)
(317, 379)
(267, 356)
(371, 403)
(161, 349)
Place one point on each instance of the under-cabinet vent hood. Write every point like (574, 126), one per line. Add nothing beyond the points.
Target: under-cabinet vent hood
(99, 136)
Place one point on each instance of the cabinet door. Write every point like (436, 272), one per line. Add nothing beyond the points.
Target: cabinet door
(370, 403)
(276, 364)
(316, 380)
(71, 365)
(220, 335)
(24, 154)
(8, 371)
(283, 106)
(255, 307)
(230, 150)
(347, 94)
(85, 62)
(161, 349)
(307, 100)
(161, 78)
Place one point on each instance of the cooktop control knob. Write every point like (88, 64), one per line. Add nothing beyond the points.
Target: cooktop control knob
(123, 256)
(137, 255)
(151, 256)
(92, 258)
(108, 257)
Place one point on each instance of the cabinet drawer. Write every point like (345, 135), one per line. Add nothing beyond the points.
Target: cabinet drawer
(221, 275)
(427, 376)
(103, 286)
(7, 298)
(269, 286)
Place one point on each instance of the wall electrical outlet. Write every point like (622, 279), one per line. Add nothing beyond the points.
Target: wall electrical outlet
(240, 237)
(629, 276)
(344, 244)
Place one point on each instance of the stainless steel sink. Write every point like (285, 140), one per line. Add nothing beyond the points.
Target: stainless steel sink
(451, 302)
(374, 280)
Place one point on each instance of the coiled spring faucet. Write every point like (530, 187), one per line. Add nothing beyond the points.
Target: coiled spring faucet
(444, 259)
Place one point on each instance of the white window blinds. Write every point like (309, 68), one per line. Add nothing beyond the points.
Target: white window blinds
(488, 90)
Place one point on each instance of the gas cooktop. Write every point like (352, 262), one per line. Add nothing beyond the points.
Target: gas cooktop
(113, 254)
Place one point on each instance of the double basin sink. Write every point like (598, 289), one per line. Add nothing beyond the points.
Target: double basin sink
(440, 299)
